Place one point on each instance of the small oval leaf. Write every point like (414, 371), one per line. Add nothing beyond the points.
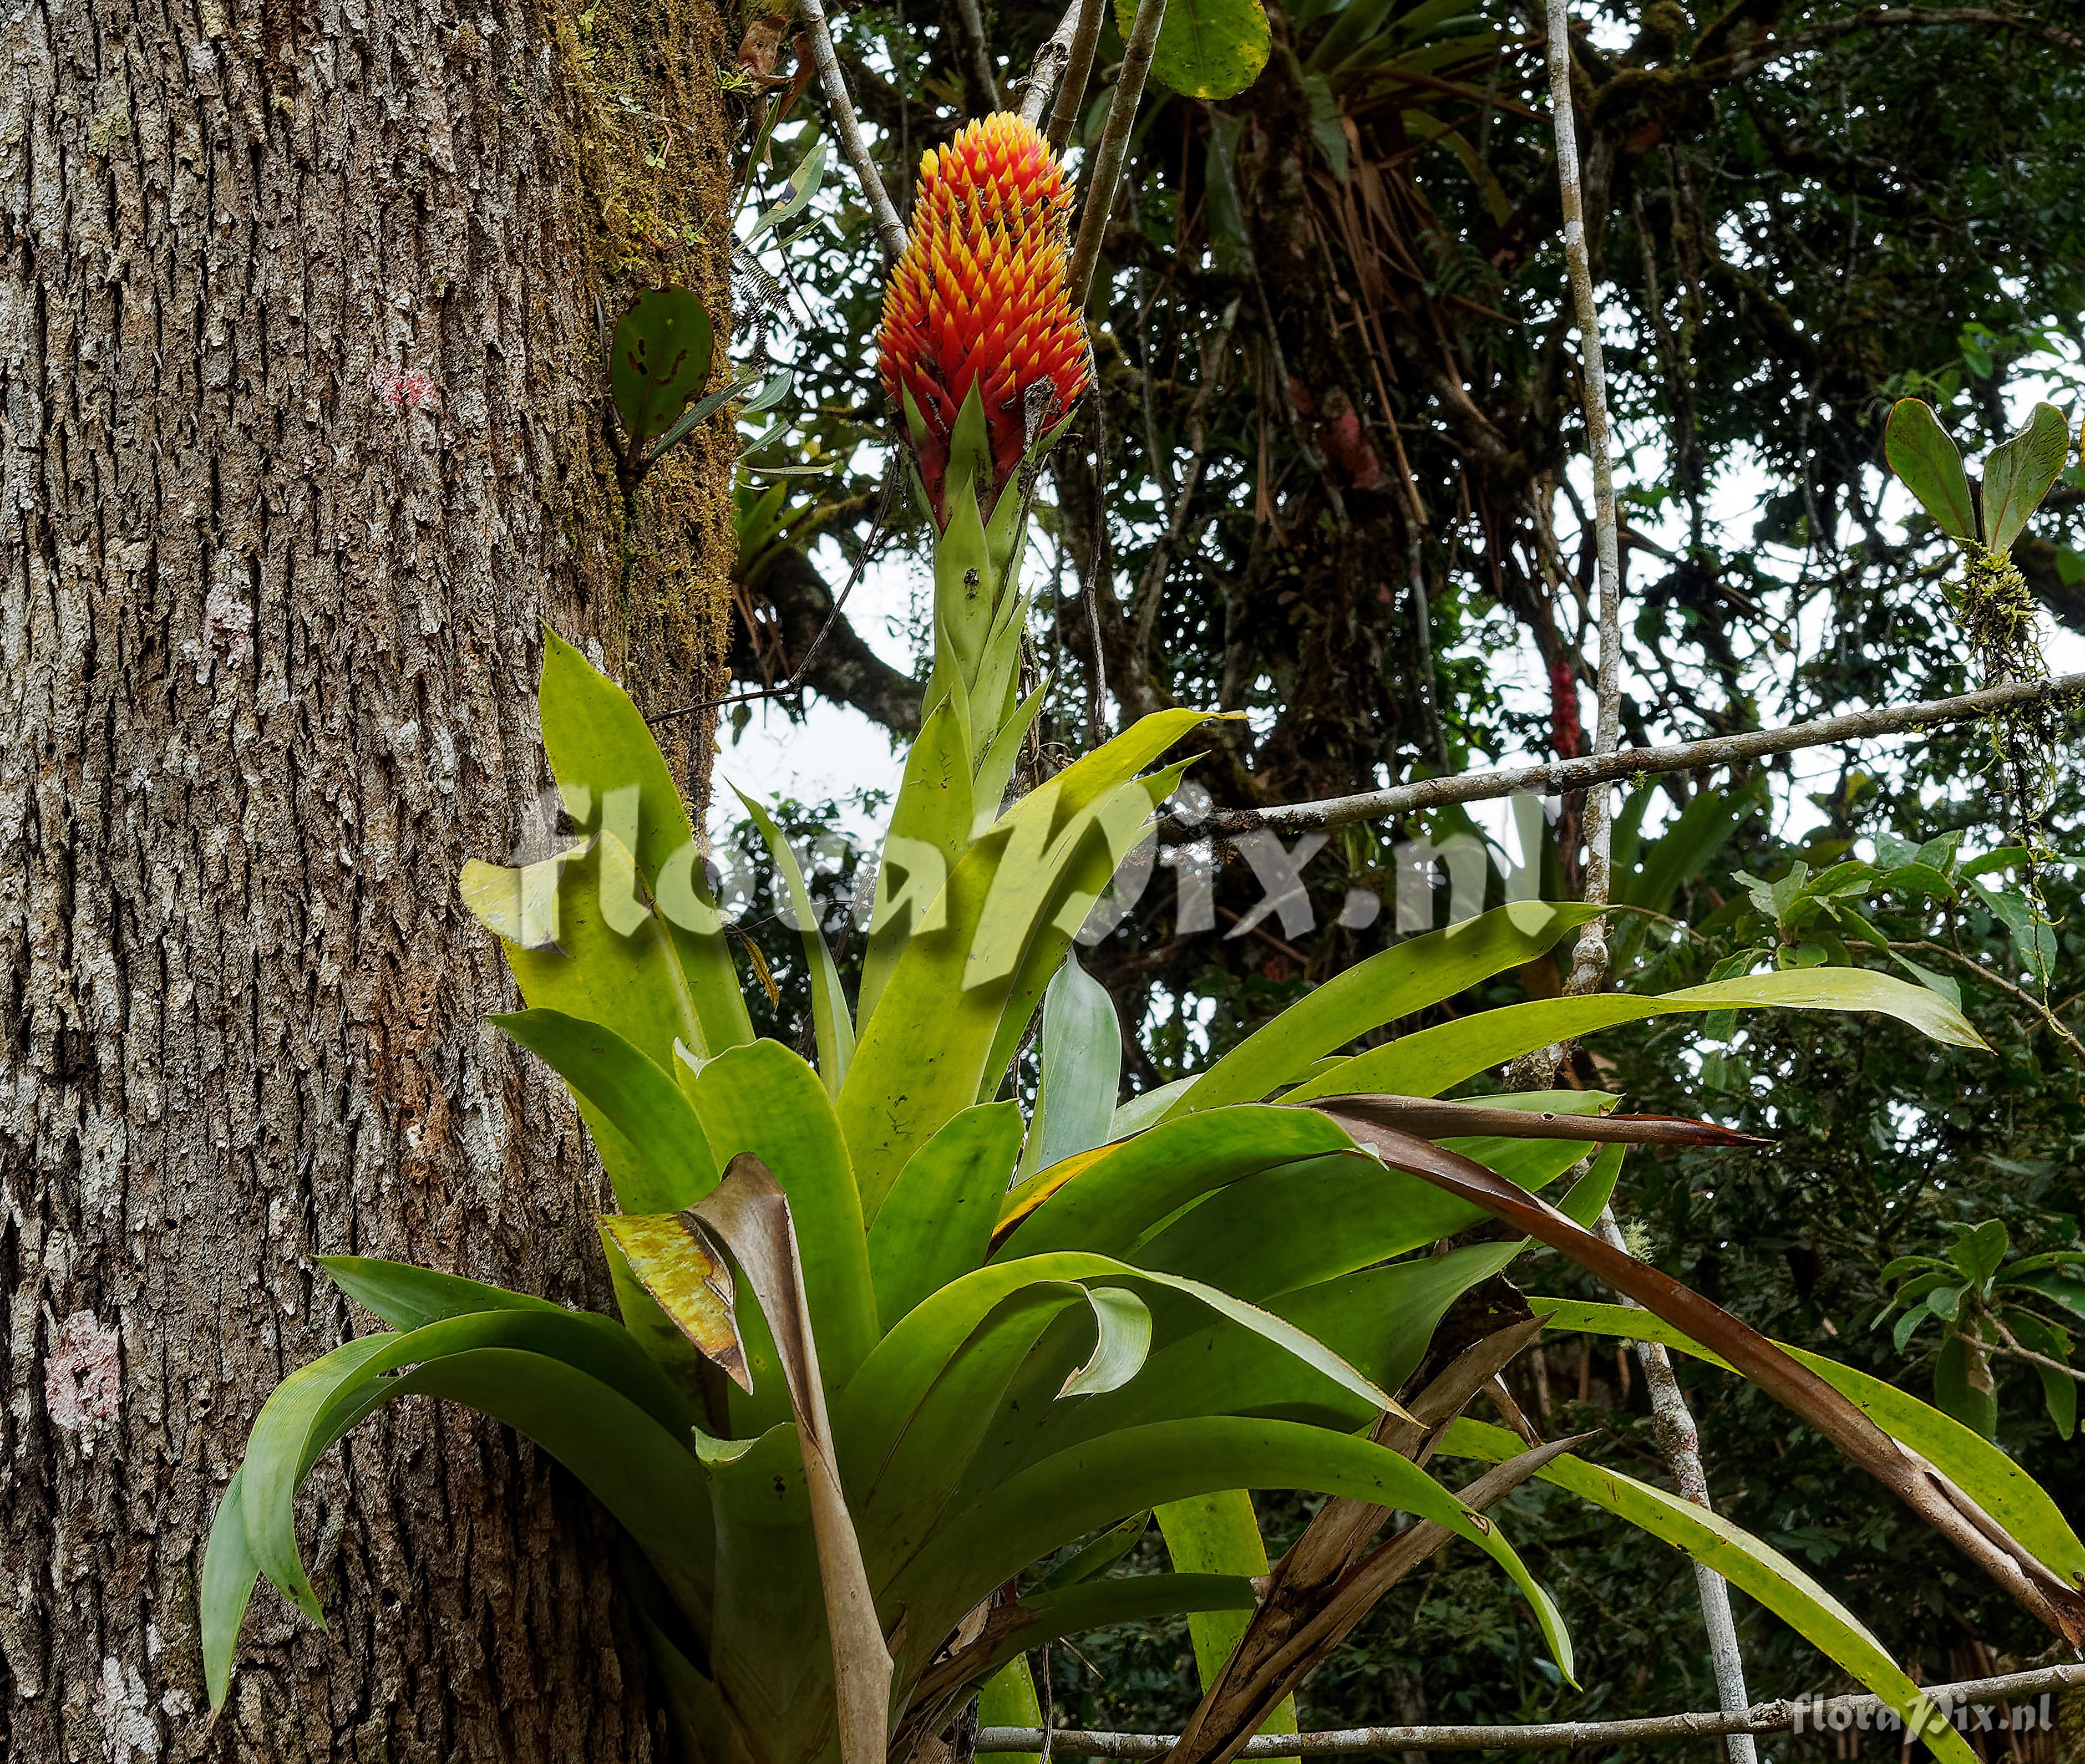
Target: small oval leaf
(1207, 49)
(2018, 474)
(1921, 454)
(659, 361)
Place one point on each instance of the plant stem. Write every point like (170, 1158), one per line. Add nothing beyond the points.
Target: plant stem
(1590, 960)
(1776, 1717)
(1559, 775)
(2013, 1347)
(1672, 1420)
(1078, 71)
(1113, 145)
(847, 123)
(1672, 1424)
(2020, 993)
(1051, 61)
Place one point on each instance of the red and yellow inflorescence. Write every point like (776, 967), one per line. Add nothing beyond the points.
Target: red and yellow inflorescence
(979, 299)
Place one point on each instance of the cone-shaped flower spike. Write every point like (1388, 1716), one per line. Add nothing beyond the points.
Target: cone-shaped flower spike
(979, 301)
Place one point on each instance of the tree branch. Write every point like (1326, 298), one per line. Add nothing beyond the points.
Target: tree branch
(1113, 145)
(1749, 60)
(844, 669)
(1561, 775)
(979, 51)
(1673, 1421)
(1083, 17)
(890, 230)
(1777, 1717)
(1051, 58)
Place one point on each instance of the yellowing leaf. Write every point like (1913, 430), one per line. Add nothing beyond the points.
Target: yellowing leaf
(1207, 49)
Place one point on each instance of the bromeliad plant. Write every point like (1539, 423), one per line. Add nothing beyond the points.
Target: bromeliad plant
(888, 1345)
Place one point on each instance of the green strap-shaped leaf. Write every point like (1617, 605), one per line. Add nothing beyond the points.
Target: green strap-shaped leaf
(903, 1491)
(1218, 1534)
(1095, 1559)
(1379, 1319)
(630, 980)
(1119, 827)
(1008, 1699)
(924, 1052)
(895, 1379)
(1037, 848)
(1105, 1199)
(935, 1224)
(768, 1645)
(518, 904)
(929, 833)
(831, 1021)
(705, 407)
(229, 1575)
(1081, 1068)
(1921, 454)
(599, 1406)
(669, 1161)
(763, 1099)
(1121, 1341)
(1130, 1599)
(803, 184)
(1747, 1563)
(1149, 1108)
(1435, 1059)
(2018, 474)
(995, 771)
(1973, 1464)
(1405, 979)
(598, 744)
(407, 1297)
(1075, 1492)
(1249, 1238)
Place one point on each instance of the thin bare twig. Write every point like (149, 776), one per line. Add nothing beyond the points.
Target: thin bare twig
(1673, 1421)
(2017, 1350)
(801, 672)
(1777, 1717)
(1560, 775)
(1589, 962)
(1078, 71)
(1673, 1426)
(1114, 146)
(1772, 49)
(847, 124)
(1051, 61)
(2019, 994)
(1066, 76)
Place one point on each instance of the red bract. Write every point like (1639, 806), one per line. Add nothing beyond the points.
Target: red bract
(979, 299)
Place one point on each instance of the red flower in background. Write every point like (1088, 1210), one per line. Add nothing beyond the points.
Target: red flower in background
(1564, 728)
(979, 299)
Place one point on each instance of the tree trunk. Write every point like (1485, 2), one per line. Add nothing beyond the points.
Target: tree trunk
(301, 435)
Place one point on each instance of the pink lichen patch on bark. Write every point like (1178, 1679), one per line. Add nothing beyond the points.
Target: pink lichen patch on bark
(400, 386)
(83, 1376)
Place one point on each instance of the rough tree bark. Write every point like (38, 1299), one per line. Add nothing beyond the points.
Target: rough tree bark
(300, 437)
